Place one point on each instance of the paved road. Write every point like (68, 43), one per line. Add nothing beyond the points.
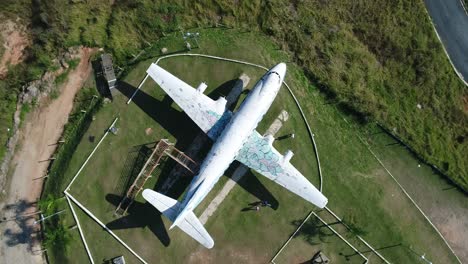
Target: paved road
(451, 23)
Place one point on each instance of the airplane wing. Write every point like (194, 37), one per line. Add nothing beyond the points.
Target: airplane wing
(259, 154)
(208, 114)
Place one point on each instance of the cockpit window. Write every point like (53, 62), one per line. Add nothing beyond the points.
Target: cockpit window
(279, 77)
(276, 74)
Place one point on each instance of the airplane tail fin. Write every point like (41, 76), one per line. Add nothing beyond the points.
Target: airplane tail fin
(187, 222)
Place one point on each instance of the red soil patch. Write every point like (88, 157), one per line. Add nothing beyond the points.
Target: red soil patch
(14, 42)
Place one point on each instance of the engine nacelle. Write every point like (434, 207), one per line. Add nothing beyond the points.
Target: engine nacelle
(269, 138)
(202, 87)
(287, 156)
(221, 101)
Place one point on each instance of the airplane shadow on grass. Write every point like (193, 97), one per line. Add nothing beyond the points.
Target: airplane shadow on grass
(140, 215)
(184, 129)
(177, 123)
(250, 183)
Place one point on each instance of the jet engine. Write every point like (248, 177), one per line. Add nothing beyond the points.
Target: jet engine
(202, 87)
(287, 156)
(270, 139)
(221, 101)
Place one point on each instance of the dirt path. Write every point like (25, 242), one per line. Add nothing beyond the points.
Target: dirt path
(44, 127)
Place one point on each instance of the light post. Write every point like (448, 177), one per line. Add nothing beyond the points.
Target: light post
(193, 36)
(423, 257)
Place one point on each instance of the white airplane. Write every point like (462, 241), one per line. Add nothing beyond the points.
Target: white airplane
(235, 138)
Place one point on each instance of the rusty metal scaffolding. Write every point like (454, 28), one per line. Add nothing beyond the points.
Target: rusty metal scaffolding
(163, 147)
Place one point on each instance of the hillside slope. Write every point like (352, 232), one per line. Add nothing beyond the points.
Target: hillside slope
(379, 60)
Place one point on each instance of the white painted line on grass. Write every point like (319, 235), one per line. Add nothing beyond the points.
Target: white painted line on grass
(359, 237)
(311, 135)
(338, 234)
(291, 237)
(240, 171)
(80, 231)
(405, 192)
(90, 155)
(139, 86)
(231, 182)
(104, 226)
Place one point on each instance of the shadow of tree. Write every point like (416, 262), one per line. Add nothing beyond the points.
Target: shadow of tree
(20, 227)
(313, 231)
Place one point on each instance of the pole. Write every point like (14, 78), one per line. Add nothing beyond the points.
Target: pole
(44, 218)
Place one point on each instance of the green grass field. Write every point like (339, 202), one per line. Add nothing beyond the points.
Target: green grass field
(357, 187)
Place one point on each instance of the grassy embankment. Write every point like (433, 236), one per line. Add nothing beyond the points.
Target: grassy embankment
(379, 60)
(355, 183)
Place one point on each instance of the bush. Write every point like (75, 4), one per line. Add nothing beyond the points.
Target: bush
(73, 63)
(57, 239)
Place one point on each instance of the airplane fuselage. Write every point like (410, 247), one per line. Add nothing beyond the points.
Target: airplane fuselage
(234, 135)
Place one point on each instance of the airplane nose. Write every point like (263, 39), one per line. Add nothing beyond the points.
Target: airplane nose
(280, 69)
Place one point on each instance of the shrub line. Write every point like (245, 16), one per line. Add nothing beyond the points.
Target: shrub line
(421, 158)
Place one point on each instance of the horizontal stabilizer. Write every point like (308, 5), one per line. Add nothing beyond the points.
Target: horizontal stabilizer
(170, 208)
